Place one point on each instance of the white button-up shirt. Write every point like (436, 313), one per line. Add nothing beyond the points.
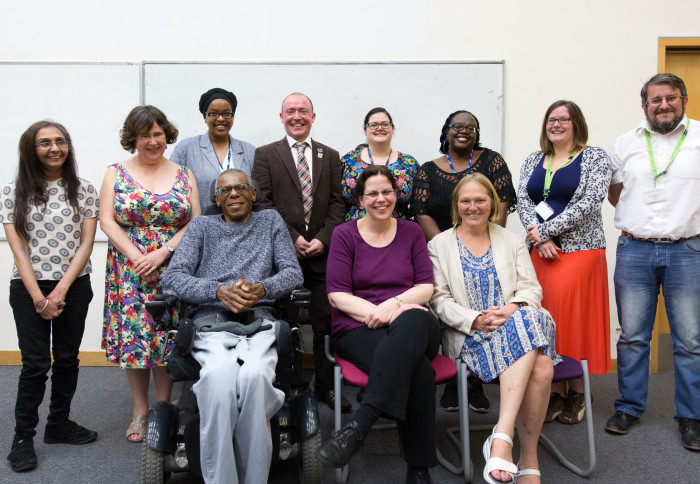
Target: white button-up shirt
(675, 213)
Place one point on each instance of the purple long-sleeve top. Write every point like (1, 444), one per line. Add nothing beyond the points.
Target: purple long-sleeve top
(375, 273)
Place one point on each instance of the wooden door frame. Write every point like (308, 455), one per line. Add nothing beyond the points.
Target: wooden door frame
(666, 44)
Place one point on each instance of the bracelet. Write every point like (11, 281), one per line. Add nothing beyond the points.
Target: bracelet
(399, 302)
(42, 309)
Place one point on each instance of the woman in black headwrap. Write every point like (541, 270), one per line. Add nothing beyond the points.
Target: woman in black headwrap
(207, 155)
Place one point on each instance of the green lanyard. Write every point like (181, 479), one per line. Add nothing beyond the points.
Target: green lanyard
(549, 176)
(670, 160)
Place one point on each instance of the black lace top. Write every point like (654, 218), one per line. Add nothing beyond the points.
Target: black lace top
(433, 187)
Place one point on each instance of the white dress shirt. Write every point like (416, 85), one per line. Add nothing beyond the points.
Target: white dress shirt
(675, 209)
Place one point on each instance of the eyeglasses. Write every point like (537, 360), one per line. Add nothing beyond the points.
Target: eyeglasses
(658, 100)
(61, 143)
(375, 126)
(215, 115)
(561, 120)
(385, 193)
(241, 189)
(461, 127)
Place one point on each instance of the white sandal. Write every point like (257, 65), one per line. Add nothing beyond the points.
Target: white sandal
(528, 472)
(497, 463)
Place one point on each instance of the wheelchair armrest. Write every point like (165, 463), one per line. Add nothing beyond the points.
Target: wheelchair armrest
(301, 297)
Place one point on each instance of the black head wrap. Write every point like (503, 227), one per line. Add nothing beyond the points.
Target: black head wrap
(217, 93)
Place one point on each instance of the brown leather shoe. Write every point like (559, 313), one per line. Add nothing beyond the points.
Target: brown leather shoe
(329, 399)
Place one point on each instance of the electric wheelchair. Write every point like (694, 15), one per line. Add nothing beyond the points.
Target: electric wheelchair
(171, 442)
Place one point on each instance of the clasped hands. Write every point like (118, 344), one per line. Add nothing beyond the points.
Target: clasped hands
(386, 312)
(494, 317)
(147, 265)
(546, 250)
(306, 250)
(240, 295)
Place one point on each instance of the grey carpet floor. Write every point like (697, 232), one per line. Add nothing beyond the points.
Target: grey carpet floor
(651, 452)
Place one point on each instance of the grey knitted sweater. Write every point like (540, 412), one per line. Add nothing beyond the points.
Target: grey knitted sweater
(213, 252)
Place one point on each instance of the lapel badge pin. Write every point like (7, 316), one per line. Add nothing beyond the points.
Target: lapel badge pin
(320, 153)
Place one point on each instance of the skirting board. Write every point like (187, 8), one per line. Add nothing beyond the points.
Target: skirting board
(87, 358)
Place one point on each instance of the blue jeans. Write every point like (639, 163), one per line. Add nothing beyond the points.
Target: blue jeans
(641, 268)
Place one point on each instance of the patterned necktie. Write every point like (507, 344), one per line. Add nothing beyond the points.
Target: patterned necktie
(305, 179)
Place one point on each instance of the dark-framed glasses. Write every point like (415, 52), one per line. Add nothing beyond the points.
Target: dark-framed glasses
(658, 100)
(461, 127)
(562, 120)
(215, 115)
(46, 144)
(241, 189)
(375, 126)
(385, 193)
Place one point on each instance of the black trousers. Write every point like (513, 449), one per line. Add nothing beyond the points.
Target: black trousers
(37, 337)
(320, 318)
(401, 379)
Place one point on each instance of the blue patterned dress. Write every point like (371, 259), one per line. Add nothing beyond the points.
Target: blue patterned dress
(490, 354)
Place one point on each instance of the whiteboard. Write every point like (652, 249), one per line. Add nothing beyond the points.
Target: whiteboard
(90, 99)
(419, 97)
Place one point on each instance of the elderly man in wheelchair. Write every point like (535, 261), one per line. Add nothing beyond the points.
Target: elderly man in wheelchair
(230, 269)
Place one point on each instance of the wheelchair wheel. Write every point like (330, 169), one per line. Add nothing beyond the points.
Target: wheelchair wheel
(152, 470)
(311, 466)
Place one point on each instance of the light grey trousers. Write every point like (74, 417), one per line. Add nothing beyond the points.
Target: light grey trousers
(236, 400)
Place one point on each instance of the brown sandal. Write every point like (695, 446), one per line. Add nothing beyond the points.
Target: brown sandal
(137, 427)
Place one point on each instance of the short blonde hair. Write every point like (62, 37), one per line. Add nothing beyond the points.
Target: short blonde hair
(490, 190)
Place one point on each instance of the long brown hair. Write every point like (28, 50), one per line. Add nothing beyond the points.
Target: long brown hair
(30, 185)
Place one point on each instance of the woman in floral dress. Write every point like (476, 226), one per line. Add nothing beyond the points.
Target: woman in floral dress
(146, 203)
(379, 129)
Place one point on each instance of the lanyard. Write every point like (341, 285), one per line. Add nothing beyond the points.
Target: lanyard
(673, 154)
(549, 176)
(372, 161)
(469, 168)
(228, 156)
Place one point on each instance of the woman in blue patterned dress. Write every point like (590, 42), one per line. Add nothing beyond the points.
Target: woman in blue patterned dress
(145, 205)
(487, 294)
(379, 129)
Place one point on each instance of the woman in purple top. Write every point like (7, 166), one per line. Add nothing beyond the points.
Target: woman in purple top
(379, 277)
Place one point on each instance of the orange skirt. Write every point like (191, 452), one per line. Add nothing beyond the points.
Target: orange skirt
(575, 292)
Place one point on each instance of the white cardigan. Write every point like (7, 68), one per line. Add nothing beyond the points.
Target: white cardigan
(449, 302)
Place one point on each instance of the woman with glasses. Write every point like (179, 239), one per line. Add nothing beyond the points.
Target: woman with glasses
(462, 155)
(379, 280)
(560, 194)
(145, 205)
(432, 191)
(207, 155)
(379, 129)
(50, 217)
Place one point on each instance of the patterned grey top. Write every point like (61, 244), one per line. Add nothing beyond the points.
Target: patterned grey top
(213, 252)
(580, 225)
(54, 230)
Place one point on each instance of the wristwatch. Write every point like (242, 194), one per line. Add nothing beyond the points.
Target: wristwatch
(170, 248)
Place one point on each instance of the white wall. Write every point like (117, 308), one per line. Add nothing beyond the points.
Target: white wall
(596, 53)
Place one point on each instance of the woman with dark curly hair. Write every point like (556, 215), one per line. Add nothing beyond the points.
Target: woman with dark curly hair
(463, 154)
(146, 203)
(50, 217)
(433, 186)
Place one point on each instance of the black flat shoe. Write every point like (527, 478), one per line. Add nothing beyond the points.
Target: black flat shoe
(620, 423)
(22, 456)
(336, 451)
(418, 476)
(690, 433)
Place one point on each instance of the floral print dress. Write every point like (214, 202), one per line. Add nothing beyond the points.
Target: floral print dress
(150, 220)
(404, 170)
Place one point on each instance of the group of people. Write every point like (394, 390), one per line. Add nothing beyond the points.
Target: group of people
(455, 278)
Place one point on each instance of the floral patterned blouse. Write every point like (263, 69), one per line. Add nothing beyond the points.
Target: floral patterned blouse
(404, 170)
